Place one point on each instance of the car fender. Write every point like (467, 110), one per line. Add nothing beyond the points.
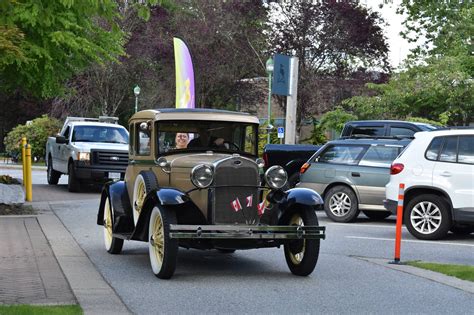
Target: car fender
(294, 199)
(174, 200)
(120, 202)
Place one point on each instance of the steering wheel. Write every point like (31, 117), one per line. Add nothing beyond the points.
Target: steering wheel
(232, 145)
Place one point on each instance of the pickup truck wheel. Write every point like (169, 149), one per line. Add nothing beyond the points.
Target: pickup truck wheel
(112, 244)
(163, 250)
(377, 215)
(427, 217)
(52, 175)
(144, 183)
(73, 183)
(302, 255)
(340, 204)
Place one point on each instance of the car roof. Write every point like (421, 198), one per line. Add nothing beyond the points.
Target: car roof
(370, 141)
(445, 132)
(195, 114)
(370, 122)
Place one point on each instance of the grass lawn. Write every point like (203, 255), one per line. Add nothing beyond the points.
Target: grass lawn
(458, 271)
(40, 310)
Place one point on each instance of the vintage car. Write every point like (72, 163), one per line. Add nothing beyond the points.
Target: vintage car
(210, 194)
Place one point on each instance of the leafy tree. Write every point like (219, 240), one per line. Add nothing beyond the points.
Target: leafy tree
(36, 132)
(332, 39)
(317, 134)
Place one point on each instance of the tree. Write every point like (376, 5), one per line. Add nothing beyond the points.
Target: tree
(332, 39)
(52, 40)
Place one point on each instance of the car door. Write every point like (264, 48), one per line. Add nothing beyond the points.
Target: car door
(334, 164)
(373, 173)
(61, 153)
(454, 170)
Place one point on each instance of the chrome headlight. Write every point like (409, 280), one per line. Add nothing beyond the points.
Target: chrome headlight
(83, 156)
(202, 176)
(276, 177)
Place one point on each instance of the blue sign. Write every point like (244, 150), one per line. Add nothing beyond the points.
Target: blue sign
(281, 132)
(281, 75)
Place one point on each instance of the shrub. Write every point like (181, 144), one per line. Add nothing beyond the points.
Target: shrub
(36, 132)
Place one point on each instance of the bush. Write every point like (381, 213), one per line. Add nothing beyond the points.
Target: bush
(36, 132)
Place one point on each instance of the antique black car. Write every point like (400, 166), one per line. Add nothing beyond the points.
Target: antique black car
(194, 180)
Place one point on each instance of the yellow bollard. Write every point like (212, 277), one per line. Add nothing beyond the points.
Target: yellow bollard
(28, 183)
(23, 144)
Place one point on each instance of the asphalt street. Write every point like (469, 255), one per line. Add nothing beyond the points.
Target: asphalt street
(258, 281)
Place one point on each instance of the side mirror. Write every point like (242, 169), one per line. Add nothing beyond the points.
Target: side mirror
(61, 139)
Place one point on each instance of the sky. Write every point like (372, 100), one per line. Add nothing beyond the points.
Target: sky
(399, 47)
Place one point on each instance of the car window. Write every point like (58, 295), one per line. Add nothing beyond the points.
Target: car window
(433, 148)
(400, 131)
(344, 154)
(379, 156)
(66, 132)
(466, 149)
(449, 151)
(373, 131)
(143, 140)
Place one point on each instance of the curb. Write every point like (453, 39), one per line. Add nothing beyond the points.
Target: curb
(463, 285)
(93, 293)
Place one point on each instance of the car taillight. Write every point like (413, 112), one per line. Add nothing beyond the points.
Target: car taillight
(304, 167)
(396, 168)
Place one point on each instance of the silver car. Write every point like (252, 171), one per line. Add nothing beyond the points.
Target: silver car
(351, 174)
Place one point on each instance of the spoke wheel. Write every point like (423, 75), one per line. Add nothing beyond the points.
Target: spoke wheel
(428, 217)
(112, 244)
(162, 249)
(302, 255)
(144, 183)
(340, 204)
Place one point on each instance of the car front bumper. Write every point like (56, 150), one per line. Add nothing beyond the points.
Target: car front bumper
(246, 232)
(96, 173)
(390, 205)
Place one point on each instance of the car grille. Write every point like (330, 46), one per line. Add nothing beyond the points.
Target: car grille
(109, 158)
(233, 172)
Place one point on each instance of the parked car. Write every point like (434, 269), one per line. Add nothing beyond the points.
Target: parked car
(88, 150)
(387, 128)
(350, 175)
(290, 156)
(437, 169)
(208, 195)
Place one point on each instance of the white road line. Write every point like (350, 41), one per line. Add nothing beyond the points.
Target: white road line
(409, 241)
(363, 225)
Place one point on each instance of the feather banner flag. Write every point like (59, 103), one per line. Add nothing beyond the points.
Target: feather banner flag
(185, 96)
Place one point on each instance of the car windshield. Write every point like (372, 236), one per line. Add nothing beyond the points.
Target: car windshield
(176, 136)
(100, 134)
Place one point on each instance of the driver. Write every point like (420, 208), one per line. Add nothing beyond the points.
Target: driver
(181, 140)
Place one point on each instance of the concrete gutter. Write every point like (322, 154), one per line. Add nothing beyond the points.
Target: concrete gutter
(91, 290)
(463, 285)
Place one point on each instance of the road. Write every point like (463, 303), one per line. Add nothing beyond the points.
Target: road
(258, 281)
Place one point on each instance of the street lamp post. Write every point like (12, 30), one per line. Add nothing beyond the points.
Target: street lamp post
(136, 91)
(269, 68)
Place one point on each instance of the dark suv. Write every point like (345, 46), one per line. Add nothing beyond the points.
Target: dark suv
(381, 128)
(350, 174)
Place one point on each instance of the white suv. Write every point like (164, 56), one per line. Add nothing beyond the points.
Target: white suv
(437, 169)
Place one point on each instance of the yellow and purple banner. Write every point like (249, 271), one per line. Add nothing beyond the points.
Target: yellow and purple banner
(184, 75)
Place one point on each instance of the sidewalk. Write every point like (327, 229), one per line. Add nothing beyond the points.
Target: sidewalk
(41, 263)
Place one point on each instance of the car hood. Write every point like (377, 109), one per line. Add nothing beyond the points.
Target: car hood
(191, 160)
(87, 146)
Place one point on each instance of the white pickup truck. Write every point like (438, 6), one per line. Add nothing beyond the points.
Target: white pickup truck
(88, 150)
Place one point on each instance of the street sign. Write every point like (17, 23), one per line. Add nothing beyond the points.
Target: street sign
(281, 75)
(281, 132)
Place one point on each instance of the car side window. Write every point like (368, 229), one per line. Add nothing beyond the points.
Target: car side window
(143, 139)
(66, 132)
(449, 150)
(373, 131)
(341, 154)
(466, 150)
(433, 149)
(379, 156)
(401, 131)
